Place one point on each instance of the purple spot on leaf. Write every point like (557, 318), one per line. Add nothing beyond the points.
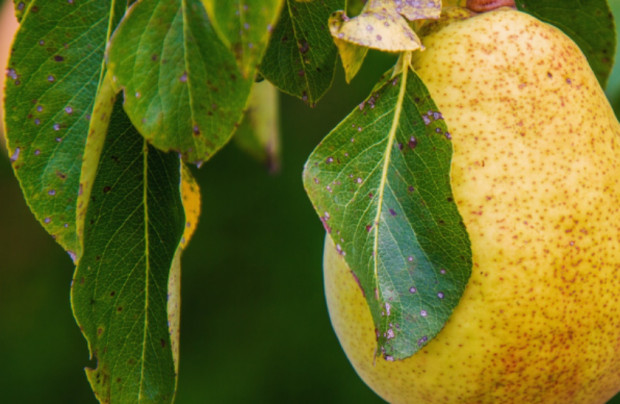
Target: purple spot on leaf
(15, 155)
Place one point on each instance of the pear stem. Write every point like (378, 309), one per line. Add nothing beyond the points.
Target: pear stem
(481, 6)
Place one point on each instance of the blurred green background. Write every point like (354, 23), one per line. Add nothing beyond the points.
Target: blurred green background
(254, 324)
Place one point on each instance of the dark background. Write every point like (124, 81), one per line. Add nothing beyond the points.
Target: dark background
(254, 323)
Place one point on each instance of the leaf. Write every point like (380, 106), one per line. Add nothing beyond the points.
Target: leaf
(99, 125)
(380, 25)
(134, 223)
(53, 76)
(301, 57)
(410, 9)
(380, 184)
(259, 132)
(352, 57)
(183, 90)
(245, 27)
(382, 29)
(590, 24)
(190, 194)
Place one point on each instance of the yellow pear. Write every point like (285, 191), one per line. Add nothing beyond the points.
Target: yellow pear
(536, 178)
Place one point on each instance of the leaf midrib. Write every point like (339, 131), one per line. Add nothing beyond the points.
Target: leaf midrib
(386, 165)
(147, 265)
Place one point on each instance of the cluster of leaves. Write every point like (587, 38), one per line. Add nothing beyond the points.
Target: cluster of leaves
(107, 101)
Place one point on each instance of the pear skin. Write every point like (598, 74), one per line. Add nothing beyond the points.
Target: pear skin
(536, 177)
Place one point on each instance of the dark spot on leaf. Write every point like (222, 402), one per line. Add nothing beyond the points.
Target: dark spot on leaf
(304, 46)
(106, 189)
(99, 330)
(162, 342)
(59, 58)
(154, 57)
(112, 293)
(392, 212)
(119, 308)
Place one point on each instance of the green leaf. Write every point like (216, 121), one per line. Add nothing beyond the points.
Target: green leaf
(134, 224)
(301, 57)
(245, 27)
(259, 132)
(53, 76)
(381, 186)
(589, 23)
(183, 90)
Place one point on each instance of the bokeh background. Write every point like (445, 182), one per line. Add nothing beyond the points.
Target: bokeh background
(254, 324)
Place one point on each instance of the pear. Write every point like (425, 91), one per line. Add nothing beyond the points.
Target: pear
(536, 178)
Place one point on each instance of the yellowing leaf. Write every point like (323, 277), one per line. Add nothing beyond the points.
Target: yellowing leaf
(259, 132)
(97, 130)
(173, 306)
(410, 9)
(352, 57)
(382, 29)
(190, 194)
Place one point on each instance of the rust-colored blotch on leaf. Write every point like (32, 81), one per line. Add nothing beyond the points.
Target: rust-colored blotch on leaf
(536, 178)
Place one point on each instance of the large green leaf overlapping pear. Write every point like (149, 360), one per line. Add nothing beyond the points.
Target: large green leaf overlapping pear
(380, 182)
